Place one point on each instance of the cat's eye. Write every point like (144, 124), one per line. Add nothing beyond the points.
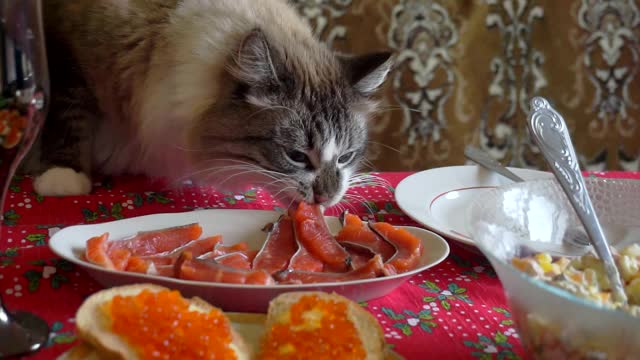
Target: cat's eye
(298, 157)
(345, 158)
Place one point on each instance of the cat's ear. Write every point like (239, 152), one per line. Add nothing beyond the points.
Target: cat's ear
(367, 72)
(256, 62)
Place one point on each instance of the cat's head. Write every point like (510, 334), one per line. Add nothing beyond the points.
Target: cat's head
(294, 119)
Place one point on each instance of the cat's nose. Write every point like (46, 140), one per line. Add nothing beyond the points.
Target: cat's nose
(320, 198)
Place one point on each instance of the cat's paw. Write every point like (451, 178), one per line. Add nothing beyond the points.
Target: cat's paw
(61, 181)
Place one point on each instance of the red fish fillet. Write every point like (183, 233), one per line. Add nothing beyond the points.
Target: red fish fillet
(312, 231)
(278, 248)
(195, 247)
(158, 241)
(360, 254)
(373, 268)
(188, 268)
(236, 260)
(96, 251)
(409, 247)
(138, 264)
(357, 232)
(302, 260)
(119, 258)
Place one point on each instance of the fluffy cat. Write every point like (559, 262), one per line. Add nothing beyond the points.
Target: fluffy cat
(226, 92)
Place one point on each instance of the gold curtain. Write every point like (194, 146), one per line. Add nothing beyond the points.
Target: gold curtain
(467, 69)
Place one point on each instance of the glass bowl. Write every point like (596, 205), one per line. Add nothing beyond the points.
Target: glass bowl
(535, 216)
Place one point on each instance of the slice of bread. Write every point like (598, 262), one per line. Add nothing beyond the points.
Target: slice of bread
(93, 325)
(368, 329)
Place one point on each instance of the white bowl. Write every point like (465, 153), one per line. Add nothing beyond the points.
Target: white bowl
(553, 323)
(235, 226)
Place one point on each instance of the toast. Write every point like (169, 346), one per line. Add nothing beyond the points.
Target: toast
(94, 325)
(250, 332)
(309, 339)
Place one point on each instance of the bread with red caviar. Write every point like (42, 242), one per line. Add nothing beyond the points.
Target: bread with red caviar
(94, 325)
(318, 325)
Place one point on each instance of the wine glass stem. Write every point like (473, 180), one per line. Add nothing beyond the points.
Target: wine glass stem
(4, 315)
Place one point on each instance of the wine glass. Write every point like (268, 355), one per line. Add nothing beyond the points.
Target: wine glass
(24, 90)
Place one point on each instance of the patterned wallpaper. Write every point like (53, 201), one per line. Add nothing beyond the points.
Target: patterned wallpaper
(466, 70)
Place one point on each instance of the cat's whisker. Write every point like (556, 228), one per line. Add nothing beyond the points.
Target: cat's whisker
(367, 164)
(339, 206)
(273, 183)
(368, 178)
(238, 174)
(386, 108)
(262, 169)
(384, 145)
(360, 199)
(283, 190)
(369, 182)
(211, 171)
(243, 166)
(345, 203)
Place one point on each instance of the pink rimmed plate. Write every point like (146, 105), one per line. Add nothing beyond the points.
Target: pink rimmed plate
(235, 226)
(441, 198)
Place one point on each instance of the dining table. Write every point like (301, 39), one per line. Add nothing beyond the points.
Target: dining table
(454, 310)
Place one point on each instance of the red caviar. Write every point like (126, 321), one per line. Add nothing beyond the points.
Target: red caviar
(160, 326)
(316, 329)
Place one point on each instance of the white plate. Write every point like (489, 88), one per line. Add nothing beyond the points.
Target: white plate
(234, 226)
(440, 198)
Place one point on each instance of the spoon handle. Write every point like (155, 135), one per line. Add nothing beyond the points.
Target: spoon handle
(483, 159)
(552, 136)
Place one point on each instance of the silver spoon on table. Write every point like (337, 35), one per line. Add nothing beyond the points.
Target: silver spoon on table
(552, 136)
(21, 332)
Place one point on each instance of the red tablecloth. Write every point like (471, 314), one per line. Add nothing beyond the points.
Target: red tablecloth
(456, 310)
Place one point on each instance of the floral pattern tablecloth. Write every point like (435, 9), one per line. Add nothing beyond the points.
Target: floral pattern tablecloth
(456, 310)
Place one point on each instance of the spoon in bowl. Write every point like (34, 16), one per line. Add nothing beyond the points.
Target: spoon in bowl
(550, 132)
(575, 239)
(483, 159)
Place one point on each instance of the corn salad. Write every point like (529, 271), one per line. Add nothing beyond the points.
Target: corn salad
(585, 277)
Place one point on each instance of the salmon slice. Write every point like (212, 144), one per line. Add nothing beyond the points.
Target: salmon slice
(162, 270)
(278, 248)
(409, 247)
(96, 251)
(302, 260)
(313, 233)
(195, 247)
(119, 258)
(356, 231)
(236, 260)
(158, 241)
(221, 249)
(360, 255)
(188, 268)
(138, 265)
(372, 269)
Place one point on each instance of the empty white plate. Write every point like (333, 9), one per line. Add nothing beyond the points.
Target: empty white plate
(440, 198)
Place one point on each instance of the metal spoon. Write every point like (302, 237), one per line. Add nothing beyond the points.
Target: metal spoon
(21, 332)
(552, 136)
(573, 236)
(483, 159)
